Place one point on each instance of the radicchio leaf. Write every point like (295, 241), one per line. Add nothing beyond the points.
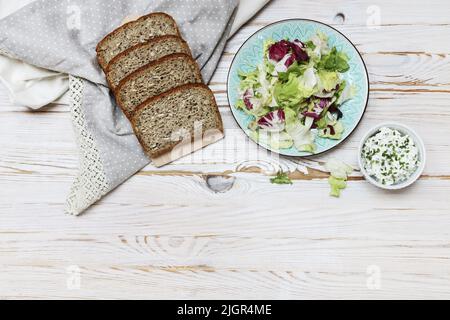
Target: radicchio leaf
(300, 54)
(318, 109)
(298, 43)
(334, 109)
(278, 50)
(247, 96)
(324, 103)
(311, 114)
(290, 61)
(274, 121)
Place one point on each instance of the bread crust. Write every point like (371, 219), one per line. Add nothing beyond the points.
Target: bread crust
(101, 61)
(145, 68)
(185, 87)
(154, 40)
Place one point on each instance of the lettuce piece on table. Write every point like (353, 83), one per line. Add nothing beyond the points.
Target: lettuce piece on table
(281, 178)
(337, 185)
(339, 174)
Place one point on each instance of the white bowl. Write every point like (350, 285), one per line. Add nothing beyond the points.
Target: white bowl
(418, 142)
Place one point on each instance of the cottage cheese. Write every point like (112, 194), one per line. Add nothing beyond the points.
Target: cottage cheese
(390, 156)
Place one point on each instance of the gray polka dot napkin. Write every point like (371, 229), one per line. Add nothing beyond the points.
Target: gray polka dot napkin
(61, 35)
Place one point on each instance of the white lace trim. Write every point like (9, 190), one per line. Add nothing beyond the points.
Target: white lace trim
(91, 183)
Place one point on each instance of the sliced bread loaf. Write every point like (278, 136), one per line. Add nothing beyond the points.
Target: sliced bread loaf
(142, 54)
(158, 121)
(155, 78)
(133, 33)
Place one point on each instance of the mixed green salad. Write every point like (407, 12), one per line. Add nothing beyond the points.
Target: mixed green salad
(295, 94)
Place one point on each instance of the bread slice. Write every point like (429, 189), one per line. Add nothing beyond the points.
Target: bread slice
(161, 122)
(141, 54)
(133, 33)
(155, 78)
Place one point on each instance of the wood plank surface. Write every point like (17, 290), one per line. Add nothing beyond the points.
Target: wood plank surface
(166, 234)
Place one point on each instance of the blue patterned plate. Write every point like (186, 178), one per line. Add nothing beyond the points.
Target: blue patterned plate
(251, 54)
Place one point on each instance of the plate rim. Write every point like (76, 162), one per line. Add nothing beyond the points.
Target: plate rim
(279, 152)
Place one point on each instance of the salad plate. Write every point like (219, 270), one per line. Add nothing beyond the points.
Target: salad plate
(298, 87)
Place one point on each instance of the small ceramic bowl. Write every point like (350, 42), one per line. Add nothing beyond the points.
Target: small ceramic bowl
(418, 142)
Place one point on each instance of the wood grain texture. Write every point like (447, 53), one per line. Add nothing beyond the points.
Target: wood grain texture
(166, 234)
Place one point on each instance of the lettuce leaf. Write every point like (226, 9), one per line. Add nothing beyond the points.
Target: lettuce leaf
(301, 134)
(339, 174)
(307, 83)
(265, 86)
(241, 105)
(332, 131)
(336, 185)
(288, 94)
(346, 92)
(275, 140)
(280, 140)
(249, 80)
(320, 42)
(334, 61)
(296, 69)
(281, 178)
(328, 80)
(338, 169)
(296, 89)
(291, 117)
(322, 123)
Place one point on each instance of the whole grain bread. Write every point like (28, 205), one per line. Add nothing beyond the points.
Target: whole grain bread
(142, 54)
(135, 32)
(156, 78)
(160, 121)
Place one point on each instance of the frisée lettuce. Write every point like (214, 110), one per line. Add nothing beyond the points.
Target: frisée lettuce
(296, 92)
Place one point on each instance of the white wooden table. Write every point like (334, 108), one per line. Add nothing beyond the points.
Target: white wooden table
(166, 234)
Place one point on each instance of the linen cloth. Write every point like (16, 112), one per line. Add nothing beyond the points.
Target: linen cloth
(34, 87)
(54, 38)
(27, 85)
(246, 10)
